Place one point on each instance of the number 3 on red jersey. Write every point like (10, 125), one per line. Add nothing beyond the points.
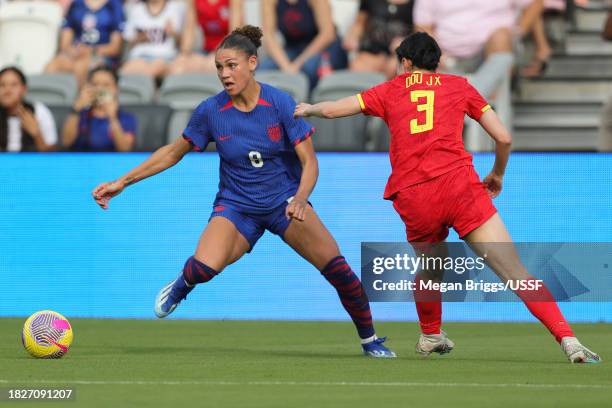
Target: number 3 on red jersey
(427, 106)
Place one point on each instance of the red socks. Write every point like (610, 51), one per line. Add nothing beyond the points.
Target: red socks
(429, 308)
(542, 305)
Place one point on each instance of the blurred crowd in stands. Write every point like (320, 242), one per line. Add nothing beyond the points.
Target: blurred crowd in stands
(101, 40)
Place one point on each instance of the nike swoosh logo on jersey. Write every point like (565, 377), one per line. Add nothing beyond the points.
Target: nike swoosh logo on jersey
(224, 137)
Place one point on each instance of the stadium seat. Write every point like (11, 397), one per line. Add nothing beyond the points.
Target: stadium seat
(60, 113)
(295, 85)
(379, 135)
(183, 93)
(344, 83)
(152, 125)
(135, 89)
(344, 134)
(191, 88)
(178, 121)
(52, 89)
(29, 34)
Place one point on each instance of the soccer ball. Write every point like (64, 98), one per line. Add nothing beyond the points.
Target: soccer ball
(46, 334)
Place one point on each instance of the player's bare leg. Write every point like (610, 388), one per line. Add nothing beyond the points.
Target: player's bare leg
(311, 239)
(192, 63)
(493, 239)
(79, 66)
(499, 41)
(428, 302)
(497, 64)
(220, 245)
(313, 242)
(155, 69)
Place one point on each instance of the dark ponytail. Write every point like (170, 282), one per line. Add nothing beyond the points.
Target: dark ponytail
(247, 39)
(421, 49)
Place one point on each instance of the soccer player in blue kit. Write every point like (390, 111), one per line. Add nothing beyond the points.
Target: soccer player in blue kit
(268, 170)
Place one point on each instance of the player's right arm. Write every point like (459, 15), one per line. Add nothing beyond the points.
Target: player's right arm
(163, 158)
(337, 109)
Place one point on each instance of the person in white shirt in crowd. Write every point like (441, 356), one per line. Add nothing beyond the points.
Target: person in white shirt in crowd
(153, 31)
(24, 127)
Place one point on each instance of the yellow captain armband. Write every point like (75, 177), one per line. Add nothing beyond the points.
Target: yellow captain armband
(485, 108)
(361, 104)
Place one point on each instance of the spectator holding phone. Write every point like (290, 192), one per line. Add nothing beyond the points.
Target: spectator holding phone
(96, 123)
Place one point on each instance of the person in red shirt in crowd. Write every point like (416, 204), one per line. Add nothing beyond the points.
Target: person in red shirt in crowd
(433, 184)
(216, 19)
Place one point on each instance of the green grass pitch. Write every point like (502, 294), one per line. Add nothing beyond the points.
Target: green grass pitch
(176, 363)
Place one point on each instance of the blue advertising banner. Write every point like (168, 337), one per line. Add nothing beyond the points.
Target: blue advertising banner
(59, 251)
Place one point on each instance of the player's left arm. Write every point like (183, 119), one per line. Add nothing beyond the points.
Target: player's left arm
(348, 106)
(503, 145)
(310, 172)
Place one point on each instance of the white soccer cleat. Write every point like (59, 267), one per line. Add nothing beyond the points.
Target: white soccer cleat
(434, 343)
(577, 353)
(170, 296)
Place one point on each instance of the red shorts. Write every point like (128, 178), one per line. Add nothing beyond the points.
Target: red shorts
(455, 199)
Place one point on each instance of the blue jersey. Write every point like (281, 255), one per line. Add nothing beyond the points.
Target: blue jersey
(94, 27)
(95, 133)
(259, 168)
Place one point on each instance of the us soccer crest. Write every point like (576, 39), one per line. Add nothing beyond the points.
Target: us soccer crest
(274, 133)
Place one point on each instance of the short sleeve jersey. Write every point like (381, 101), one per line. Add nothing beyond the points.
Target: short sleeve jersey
(259, 168)
(158, 44)
(214, 20)
(425, 113)
(94, 27)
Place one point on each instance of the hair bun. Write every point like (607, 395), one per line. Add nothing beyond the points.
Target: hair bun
(251, 32)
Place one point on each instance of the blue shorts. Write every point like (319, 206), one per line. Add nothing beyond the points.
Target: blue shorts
(253, 226)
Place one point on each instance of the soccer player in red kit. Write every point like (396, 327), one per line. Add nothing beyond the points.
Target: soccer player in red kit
(433, 184)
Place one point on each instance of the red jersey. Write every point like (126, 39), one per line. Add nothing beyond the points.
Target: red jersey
(213, 17)
(424, 113)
